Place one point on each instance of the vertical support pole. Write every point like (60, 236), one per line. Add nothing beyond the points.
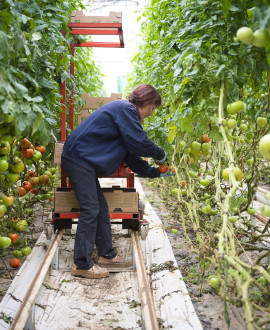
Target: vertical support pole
(63, 119)
(63, 102)
(71, 103)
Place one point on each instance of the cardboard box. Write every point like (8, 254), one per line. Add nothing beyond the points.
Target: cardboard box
(58, 148)
(93, 103)
(79, 17)
(118, 199)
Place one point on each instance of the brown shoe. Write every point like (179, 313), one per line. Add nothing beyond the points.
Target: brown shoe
(116, 262)
(94, 272)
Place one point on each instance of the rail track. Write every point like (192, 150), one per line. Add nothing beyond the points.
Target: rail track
(148, 308)
(154, 296)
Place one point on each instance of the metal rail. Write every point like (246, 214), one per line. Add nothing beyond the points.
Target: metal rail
(28, 301)
(148, 308)
(261, 217)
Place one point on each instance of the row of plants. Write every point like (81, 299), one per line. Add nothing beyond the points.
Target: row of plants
(35, 60)
(210, 61)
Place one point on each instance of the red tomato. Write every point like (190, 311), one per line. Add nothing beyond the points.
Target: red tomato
(20, 191)
(162, 168)
(13, 237)
(172, 169)
(205, 138)
(27, 153)
(34, 191)
(41, 149)
(34, 181)
(27, 186)
(183, 183)
(31, 174)
(44, 178)
(14, 263)
(25, 143)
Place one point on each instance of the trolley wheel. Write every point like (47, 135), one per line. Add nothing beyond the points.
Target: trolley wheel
(144, 231)
(141, 209)
(48, 230)
(129, 232)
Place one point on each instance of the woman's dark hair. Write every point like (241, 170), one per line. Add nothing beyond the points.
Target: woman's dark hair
(144, 95)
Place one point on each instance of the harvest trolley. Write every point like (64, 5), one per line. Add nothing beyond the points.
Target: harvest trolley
(125, 207)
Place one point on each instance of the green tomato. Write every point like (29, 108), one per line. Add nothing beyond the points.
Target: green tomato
(186, 151)
(53, 170)
(207, 209)
(174, 231)
(3, 209)
(229, 136)
(4, 147)
(181, 144)
(196, 146)
(205, 182)
(261, 122)
(192, 174)
(237, 173)
(4, 242)
(166, 69)
(250, 162)
(251, 211)
(264, 146)
(3, 165)
(243, 127)
(260, 38)
(17, 253)
(21, 225)
(235, 107)
(233, 218)
(17, 167)
(231, 123)
(205, 147)
(245, 35)
(26, 251)
(214, 282)
(265, 210)
(36, 156)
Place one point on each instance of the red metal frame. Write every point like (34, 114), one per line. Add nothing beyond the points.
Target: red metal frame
(91, 29)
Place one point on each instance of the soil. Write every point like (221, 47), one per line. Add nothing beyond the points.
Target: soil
(209, 307)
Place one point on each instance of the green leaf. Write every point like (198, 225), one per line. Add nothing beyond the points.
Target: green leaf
(172, 133)
(37, 122)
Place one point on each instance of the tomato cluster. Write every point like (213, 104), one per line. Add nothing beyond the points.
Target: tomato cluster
(26, 177)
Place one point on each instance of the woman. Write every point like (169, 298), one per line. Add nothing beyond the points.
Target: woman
(109, 136)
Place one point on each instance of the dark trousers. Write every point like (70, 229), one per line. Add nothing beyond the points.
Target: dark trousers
(94, 224)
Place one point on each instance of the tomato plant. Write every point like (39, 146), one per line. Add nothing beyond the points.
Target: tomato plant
(217, 84)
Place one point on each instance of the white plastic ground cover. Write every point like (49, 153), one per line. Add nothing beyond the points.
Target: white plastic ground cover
(259, 196)
(21, 282)
(173, 304)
